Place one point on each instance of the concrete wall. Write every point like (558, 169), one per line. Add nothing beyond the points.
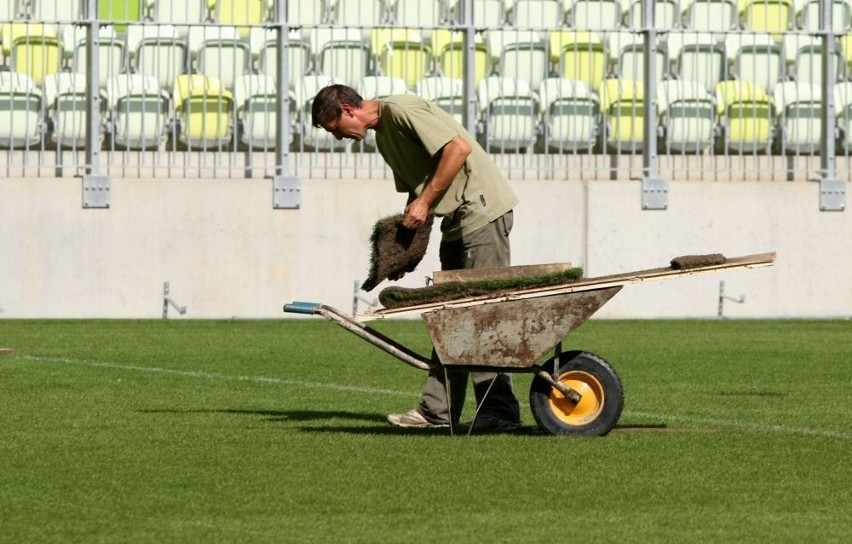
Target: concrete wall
(227, 253)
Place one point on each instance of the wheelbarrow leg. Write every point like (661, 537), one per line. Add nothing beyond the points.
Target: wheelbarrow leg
(481, 403)
(448, 391)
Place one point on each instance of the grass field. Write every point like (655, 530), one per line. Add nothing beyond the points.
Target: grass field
(273, 431)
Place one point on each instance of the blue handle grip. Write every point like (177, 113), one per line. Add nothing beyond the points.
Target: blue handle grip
(298, 307)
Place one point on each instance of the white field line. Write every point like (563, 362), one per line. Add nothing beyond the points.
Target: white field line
(218, 376)
(756, 427)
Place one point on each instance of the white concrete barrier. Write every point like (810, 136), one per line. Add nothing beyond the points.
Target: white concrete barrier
(227, 253)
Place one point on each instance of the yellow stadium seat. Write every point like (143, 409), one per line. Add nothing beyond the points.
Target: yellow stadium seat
(580, 55)
(36, 56)
(204, 107)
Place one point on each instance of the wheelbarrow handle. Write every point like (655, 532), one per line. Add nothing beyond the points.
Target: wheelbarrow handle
(300, 307)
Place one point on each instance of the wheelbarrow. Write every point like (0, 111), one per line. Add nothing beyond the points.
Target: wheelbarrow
(572, 392)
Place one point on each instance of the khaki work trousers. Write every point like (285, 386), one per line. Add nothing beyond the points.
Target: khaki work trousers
(488, 247)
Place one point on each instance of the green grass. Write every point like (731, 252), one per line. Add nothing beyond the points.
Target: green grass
(273, 431)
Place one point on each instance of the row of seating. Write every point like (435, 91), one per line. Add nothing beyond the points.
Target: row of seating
(561, 115)
(408, 54)
(702, 15)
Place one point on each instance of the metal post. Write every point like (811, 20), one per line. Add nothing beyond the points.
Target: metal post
(286, 189)
(832, 191)
(655, 189)
(469, 90)
(96, 187)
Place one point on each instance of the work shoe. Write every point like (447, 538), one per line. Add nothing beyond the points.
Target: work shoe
(493, 424)
(413, 418)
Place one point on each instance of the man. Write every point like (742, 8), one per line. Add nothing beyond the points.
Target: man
(444, 170)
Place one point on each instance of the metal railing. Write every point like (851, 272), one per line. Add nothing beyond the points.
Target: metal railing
(553, 90)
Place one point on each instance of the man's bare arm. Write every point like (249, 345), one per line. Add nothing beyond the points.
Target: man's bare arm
(452, 160)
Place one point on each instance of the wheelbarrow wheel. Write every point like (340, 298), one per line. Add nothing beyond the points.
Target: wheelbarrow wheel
(601, 402)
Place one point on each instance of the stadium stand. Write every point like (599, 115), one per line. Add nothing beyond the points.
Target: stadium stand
(556, 77)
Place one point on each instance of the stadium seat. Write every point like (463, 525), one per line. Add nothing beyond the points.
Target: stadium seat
(449, 53)
(748, 116)
(446, 92)
(703, 60)
(340, 52)
(774, 16)
(121, 12)
(411, 13)
(808, 65)
(255, 99)
(510, 112)
(711, 15)
(631, 62)
(240, 13)
(372, 87)
(801, 127)
(298, 53)
(55, 13)
(570, 116)
(138, 111)
(11, 30)
(809, 16)
(198, 35)
(36, 55)
(307, 14)
(519, 54)
(10, 10)
(165, 58)
(65, 98)
(182, 13)
(112, 58)
(529, 14)
(203, 109)
(137, 32)
(486, 13)
(225, 59)
(579, 55)
(598, 15)
(794, 41)
(401, 53)
(842, 96)
(762, 63)
(618, 40)
(672, 90)
(667, 14)
(359, 13)
(788, 92)
(623, 103)
(20, 111)
(687, 115)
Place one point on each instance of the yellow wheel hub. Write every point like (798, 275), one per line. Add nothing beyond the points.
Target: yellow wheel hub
(590, 405)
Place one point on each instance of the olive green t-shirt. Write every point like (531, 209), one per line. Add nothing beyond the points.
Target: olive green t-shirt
(411, 135)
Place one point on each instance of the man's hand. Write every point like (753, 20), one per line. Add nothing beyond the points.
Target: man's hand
(416, 214)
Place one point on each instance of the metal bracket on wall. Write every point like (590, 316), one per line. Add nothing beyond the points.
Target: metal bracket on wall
(655, 193)
(832, 195)
(96, 189)
(286, 192)
(168, 301)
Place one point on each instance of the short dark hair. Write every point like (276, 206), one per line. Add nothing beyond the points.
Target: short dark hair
(329, 101)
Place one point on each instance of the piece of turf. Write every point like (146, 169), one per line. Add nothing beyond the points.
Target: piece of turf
(400, 297)
(685, 262)
(395, 249)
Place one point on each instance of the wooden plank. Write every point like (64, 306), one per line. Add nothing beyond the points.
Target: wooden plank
(757, 260)
(507, 273)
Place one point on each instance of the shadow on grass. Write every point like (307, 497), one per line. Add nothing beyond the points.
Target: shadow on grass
(382, 427)
(275, 415)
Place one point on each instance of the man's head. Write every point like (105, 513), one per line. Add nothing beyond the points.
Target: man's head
(336, 109)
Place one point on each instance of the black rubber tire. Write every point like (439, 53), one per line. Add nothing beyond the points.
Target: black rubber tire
(607, 402)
